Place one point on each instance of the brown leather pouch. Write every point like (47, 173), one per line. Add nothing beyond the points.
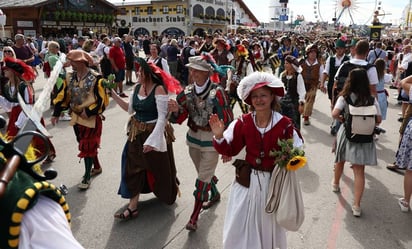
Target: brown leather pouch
(243, 171)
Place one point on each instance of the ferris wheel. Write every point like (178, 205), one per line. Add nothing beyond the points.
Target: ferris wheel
(346, 12)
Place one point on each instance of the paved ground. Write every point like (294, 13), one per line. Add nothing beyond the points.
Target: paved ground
(329, 222)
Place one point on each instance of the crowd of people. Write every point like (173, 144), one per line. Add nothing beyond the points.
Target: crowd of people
(274, 79)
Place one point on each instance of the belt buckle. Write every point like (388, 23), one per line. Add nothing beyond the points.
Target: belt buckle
(142, 126)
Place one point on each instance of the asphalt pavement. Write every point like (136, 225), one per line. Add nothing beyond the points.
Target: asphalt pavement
(329, 222)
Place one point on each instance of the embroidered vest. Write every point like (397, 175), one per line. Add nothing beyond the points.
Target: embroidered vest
(81, 92)
(200, 106)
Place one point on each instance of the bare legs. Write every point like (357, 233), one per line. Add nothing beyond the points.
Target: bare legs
(407, 185)
(359, 181)
(359, 184)
(338, 172)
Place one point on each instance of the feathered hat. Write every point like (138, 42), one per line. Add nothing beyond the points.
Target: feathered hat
(158, 75)
(23, 70)
(208, 59)
(257, 80)
(341, 42)
(241, 50)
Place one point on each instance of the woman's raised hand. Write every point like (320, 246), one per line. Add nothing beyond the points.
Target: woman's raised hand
(217, 126)
(172, 106)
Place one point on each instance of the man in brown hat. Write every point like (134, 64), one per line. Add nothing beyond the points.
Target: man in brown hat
(312, 71)
(83, 93)
(222, 56)
(200, 99)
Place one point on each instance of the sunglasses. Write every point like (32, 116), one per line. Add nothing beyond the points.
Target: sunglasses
(7, 51)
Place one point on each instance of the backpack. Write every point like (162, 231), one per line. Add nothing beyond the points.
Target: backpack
(184, 56)
(344, 71)
(360, 121)
(105, 65)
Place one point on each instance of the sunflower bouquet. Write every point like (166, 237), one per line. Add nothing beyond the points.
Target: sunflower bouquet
(287, 156)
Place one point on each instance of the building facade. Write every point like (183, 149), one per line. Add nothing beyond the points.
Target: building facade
(57, 17)
(187, 17)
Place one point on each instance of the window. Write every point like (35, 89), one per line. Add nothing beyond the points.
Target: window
(137, 10)
(165, 9)
(197, 10)
(179, 9)
(150, 10)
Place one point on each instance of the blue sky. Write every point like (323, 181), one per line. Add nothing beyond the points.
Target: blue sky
(306, 8)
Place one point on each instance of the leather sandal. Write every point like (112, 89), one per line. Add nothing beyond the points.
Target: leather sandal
(211, 202)
(130, 214)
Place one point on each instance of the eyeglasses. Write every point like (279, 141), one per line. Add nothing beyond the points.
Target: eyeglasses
(7, 51)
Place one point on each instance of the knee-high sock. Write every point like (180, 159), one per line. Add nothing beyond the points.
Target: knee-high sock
(96, 162)
(201, 194)
(88, 163)
(196, 211)
(213, 189)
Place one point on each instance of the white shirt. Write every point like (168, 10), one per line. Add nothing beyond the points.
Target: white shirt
(372, 74)
(45, 226)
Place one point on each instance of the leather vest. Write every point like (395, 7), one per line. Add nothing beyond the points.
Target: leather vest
(310, 75)
(221, 59)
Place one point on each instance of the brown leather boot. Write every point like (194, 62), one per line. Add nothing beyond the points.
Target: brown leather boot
(212, 202)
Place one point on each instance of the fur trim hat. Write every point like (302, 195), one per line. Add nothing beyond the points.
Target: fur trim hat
(198, 63)
(20, 68)
(79, 55)
(257, 80)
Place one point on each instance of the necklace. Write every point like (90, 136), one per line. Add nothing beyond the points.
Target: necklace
(145, 89)
(259, 159)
